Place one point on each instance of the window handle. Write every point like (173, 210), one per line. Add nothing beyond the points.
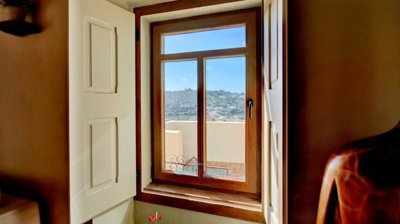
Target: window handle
(250, 104)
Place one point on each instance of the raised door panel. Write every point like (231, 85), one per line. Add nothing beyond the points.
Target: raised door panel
(100, 56)
(102, 147)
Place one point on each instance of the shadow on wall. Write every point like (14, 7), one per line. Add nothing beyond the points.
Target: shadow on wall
(34, 113)
(344, 79)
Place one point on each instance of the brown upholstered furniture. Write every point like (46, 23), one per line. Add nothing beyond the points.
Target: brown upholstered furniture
(361, 184)
(15, 210)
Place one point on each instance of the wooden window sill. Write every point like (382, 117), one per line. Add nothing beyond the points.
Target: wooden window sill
(232, 205)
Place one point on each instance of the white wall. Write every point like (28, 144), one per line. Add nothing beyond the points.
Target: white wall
(189, 136)
(225, 140)
(173, 144)
(179, 216)
(121, 214)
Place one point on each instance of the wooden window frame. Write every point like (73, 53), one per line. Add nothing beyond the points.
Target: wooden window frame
(250, 19)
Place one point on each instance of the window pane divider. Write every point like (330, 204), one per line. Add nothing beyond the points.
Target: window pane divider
(201, 129)
(204, 54)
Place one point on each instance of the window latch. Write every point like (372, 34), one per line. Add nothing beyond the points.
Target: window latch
(250, 105)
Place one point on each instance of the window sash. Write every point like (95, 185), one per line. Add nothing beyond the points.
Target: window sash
(253, 126)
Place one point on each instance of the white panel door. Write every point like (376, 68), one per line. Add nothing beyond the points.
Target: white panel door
(102, 109)
(273, 111)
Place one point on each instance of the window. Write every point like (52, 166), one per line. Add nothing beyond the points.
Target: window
(206, 118)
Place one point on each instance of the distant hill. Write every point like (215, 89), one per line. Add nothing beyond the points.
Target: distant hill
(221, 105)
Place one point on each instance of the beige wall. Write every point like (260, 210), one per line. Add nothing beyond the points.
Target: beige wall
(188, 130)
(225, 140)
(344, 84)
(33, 111)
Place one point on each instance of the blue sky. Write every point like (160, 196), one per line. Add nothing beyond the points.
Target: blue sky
(221, 74)
(205, 40)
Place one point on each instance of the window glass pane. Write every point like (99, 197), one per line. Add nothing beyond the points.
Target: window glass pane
(205, 40)
(180, 106)
(226, 99)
